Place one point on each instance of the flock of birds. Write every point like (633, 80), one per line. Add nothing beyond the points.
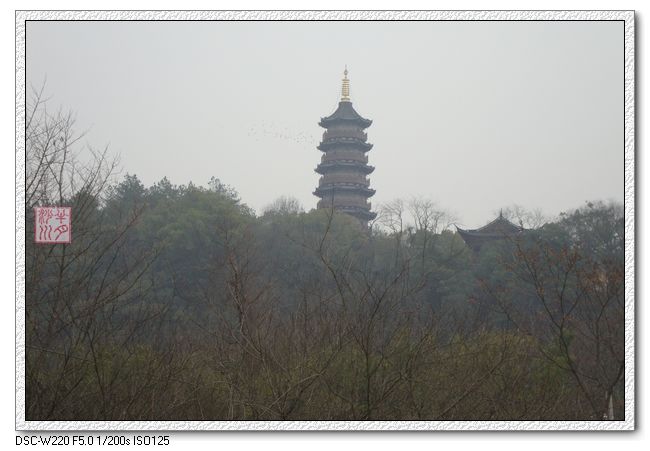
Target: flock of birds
(265, 130)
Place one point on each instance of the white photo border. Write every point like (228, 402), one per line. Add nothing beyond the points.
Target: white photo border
(628, 17)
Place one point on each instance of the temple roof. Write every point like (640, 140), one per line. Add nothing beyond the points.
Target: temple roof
(498, 228)
(345, 113)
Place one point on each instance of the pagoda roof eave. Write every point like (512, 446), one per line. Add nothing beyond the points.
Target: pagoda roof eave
(345, 113)
(366, 192)
(326, 145)
(324, 167)
(358, 212)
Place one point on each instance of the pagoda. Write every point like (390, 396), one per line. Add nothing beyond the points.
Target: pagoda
(499, 229)
(344, 184)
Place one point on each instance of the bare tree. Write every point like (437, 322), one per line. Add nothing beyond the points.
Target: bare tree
(577, 319)
(528, 219)
(284, 205)
(429, 221)
(392, 216)
(84, 301)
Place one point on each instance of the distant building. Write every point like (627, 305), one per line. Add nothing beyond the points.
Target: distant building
(344, 167)
(498, 229)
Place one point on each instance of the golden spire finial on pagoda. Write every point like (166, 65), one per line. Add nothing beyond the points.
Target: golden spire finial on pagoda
(345, 90)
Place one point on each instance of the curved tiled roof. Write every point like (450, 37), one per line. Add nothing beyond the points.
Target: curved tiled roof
(345, 113)
(498, 229)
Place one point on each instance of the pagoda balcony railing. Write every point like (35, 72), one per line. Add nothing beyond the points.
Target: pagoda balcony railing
(344, 179)
(327, 203)
(343, 140)
(345, 184)
(356, 210)
(344, 189)
(345, 133)
(335, 165)
(351, 157)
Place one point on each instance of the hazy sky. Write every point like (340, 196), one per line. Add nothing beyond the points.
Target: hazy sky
(473, 115)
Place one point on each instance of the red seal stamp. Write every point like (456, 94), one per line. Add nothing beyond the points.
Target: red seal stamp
(53, 225)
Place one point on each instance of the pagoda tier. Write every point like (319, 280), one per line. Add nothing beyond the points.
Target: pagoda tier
(332, 166)
(336, 143)
(499, 229)
(344, 165)
(361, 212)
(352, 188)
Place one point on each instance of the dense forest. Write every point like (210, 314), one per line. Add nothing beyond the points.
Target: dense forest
(180, 303)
